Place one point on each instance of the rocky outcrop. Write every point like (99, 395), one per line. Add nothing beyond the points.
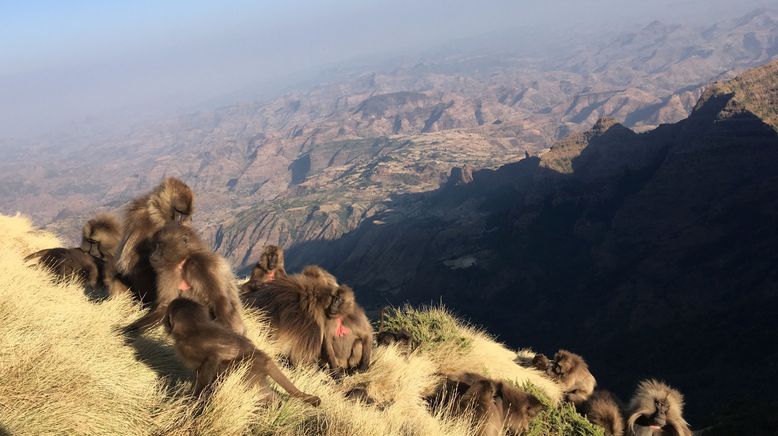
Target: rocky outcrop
(460, 175)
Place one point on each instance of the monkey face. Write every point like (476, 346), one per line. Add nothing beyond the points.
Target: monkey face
(91, 246)
(658, 418)
(171, 244)
(100, 236)
(181, 213)
(561, 365)
(541, 362)
(181, 200)
(341, 302)
(270, 258)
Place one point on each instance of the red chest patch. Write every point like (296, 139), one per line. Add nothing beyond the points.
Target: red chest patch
(184, 285)
(271, 275)
(341, 330)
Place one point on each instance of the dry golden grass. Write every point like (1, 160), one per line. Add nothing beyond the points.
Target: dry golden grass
(65, 370)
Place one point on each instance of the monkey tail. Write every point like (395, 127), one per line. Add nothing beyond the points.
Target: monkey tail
(284, 382)
(36, 255)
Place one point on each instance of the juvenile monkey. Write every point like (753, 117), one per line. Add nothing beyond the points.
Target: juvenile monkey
(100, 238)
(171, 201)
(657, 409)
(571, 371)
(186, 267)
(68, 262)
(269, 266)
(92, 261)
(209, 349)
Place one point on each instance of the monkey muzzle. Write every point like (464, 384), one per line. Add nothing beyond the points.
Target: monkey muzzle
(94, 248)
(180, 217)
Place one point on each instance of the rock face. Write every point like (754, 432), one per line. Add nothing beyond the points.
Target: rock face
(460, 176)
(650, 254)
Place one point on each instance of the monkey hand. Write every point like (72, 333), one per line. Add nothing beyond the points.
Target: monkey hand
(338, 373)
(313, 400)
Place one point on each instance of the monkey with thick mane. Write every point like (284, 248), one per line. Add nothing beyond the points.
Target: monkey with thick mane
(319, 273)
(269, 266)
(171, 201)
(186, 267)
(92, 261)
(296, 309)
(572, 372)
(210, 349)
(316, 319)
(658, 408)
(495, 404)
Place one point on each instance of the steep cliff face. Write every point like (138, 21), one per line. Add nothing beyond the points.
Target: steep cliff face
(650, 253)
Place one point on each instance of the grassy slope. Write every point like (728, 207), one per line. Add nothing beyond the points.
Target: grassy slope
(63, 369)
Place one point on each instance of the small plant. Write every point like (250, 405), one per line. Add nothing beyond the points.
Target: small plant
(430, 327)
(558, 419)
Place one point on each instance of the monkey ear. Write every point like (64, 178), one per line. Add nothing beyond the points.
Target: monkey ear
(186, 240)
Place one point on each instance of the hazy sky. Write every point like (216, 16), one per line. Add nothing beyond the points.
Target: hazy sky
(62, 62)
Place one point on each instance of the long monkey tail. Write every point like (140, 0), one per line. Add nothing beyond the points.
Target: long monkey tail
(36, 254)
(280, 378)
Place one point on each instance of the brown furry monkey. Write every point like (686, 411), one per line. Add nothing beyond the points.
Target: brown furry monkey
(92, 262)
(68, 262)
(269, 266)
(317, 272)
(496, 405)
(572, 372)
(209, 349)
(296, 306)
(100, 239)
(186, 267)
(658, 410)
(603, 409)
(541, 362)
(171, 201)
(348, 337)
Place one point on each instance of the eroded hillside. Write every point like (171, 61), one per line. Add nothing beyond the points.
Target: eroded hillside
(647, 252)
(315, 162)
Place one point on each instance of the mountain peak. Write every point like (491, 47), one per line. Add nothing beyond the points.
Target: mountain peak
(604, 124)
(755, 91)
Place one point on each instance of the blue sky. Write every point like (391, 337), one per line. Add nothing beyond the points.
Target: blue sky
(62, 62)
